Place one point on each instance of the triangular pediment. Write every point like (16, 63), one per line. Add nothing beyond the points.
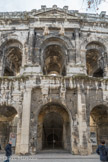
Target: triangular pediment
(54, 13)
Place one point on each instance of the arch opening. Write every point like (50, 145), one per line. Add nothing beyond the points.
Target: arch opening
(12, 51)
(98, 125)
(8, 125)
(95, 59)
(52, 131)
(54, 60)
(53, 128)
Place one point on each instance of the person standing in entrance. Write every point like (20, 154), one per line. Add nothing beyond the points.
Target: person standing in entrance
(102, 150)
(8, 150)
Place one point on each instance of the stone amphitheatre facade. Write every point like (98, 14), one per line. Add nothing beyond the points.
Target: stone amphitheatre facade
(53, 80)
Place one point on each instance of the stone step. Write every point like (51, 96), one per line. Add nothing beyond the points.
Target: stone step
(59, 151)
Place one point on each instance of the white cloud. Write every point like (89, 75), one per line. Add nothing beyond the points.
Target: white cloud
(104, 6)
(22, 5)
(19, 5)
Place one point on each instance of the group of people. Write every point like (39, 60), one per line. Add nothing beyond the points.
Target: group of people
(102, 150)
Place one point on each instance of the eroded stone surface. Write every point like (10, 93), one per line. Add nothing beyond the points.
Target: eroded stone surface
(53, 84)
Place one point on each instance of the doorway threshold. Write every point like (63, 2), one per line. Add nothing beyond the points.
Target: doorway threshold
(53, 151)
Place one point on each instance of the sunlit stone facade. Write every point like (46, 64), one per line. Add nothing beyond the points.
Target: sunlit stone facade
(54, 80)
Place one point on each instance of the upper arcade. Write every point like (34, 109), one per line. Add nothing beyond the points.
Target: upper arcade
(53, 41)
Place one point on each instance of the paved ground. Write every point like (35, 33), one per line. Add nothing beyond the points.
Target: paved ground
(52, 157)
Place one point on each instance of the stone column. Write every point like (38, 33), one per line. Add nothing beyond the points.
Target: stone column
(37, 56)
(64, 136)
(71, 58)
(18, 141)
(1, 69)
(24, 149)
(106, 72)
(82, 123)
(2, 65)
(23, 56)
(83, 59)
(77, 41)
(30, 46)
(105, 64)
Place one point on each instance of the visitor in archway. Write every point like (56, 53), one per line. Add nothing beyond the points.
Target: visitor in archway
(102, 150)
(8, 150)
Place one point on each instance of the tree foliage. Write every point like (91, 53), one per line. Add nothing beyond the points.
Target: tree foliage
(94, 4)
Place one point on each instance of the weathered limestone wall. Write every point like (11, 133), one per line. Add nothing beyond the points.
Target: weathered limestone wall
(73, 99)
(54, 61)
(79, 95)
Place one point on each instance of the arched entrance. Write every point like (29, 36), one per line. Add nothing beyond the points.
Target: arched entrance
(53, 131)
(54, 60)
(8, 125)
(98, 125)
(95, 56)
(53, 128)
(12, 57)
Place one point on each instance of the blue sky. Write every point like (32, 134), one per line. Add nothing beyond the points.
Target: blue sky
(27, 5)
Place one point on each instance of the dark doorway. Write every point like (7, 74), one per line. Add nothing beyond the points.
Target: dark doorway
(8, 125)
(98, 125)
(53, 131)
(98, 73)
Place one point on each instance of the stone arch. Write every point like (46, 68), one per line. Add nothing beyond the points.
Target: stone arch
(93, 39)
(54, 102)
(62, 39)
(7, 112)
(95, 59)
(89, 39)
(98, 125)
(11, 37)
(54, 53)
(97, 104)
(8, 125)
(54, 60)
(62, 131)
(91, 107)
(11, 57)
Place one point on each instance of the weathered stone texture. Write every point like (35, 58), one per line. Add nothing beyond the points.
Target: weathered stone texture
(53, 80)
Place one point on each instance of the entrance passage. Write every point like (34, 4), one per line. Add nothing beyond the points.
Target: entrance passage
(8, 125)
(53, 131)
(98, 125)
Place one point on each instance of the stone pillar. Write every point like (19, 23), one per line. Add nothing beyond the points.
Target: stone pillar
(37, 56)
(18, 141)
(2, 65)
(105, 65)
(39, 134)
(82, 123)
(77, 41)
(106, 72)
(83, 60)
(64, 137)
(75, 64)
(30, 46)
(71, 70)
(1, 69)
(71, 56)
(31, 56)
(23, 56)
(24, 148)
